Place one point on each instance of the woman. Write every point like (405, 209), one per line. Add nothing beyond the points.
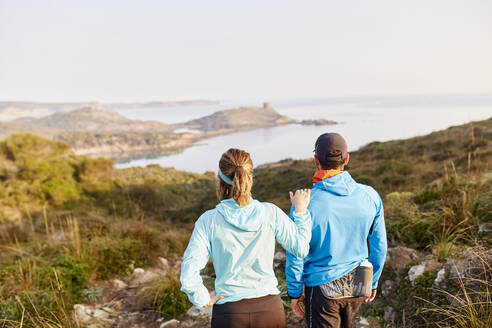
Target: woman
(239, 235)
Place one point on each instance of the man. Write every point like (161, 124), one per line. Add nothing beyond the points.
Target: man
(348, 227)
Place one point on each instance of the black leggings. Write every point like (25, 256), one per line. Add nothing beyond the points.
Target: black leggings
(261, 312)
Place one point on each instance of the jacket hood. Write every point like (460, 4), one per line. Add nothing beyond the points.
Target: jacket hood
(341, 184)
(247, 218)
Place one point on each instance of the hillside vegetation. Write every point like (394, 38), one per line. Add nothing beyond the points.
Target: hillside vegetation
(9, 128)
(69, 223)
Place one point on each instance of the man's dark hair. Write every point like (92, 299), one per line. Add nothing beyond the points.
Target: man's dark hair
(332, 164)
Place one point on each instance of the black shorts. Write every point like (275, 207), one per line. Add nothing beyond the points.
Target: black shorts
(261, 312)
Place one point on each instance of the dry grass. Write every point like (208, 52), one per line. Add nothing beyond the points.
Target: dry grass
(470, 305)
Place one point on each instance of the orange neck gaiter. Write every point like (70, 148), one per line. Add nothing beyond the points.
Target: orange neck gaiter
(324, 174)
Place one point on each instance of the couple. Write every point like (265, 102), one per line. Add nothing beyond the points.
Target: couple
(335, 232)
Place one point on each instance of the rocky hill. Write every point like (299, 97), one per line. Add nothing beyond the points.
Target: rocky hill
(240, 119)
(91, 119)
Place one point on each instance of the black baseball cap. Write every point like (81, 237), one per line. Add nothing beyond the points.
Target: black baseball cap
(330, 147)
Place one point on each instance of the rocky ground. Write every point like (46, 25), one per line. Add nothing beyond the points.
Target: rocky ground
(121, 305)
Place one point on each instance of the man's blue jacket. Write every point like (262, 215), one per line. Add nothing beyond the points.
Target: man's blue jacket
(347, 218)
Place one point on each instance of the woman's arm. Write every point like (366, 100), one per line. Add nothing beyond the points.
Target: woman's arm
(294, 236)
(194, 259)
(294, 267)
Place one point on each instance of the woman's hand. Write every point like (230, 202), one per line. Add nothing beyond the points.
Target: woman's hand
(300, 200)
(212, 301)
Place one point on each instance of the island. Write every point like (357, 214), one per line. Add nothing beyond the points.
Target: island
(318, 122)
(239, 119)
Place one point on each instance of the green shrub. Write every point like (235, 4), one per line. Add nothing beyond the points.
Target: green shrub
(481, 207)
(112, 256)
(25, 146)
(42, 170)
(95, 175)
(428, 195)
(41, 274)
(395, 167)
(399, 195)
(175, 243)
(41, 301)
(60, 191)
(33, 309)
(364, 179)
(73, 275)
(166, 297)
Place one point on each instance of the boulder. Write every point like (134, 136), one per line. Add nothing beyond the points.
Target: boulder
(279, 256)
(170, 324)
(82, 314)
(100, 315)
(415, 271)
(163, 263)
(400, 256)
(389, 315)
(196, 311)
(85, 315)
(387, 286)
(361, 322)
(440, 277)
(137, 272)
(118, 284)
(144, 278)
(419, 269)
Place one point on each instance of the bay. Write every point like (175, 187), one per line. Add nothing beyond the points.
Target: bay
(361, 120)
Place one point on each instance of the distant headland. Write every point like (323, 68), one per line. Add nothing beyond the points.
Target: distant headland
(94, 131)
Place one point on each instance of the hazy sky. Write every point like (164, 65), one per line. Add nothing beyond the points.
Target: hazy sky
(142, 50)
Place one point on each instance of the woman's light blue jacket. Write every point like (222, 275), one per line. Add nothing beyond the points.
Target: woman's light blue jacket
(241, 242)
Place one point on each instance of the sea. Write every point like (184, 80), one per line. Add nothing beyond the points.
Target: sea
(362, 120)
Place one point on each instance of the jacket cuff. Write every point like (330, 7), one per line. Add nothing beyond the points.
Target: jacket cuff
(294, 297)
(301, 216)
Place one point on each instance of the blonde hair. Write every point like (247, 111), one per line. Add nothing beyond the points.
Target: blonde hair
(237, 165)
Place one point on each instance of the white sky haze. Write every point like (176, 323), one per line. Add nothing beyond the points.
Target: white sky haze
(114, 50)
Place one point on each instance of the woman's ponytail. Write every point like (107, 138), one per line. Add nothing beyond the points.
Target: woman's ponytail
(236, 166)
(241, 186)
